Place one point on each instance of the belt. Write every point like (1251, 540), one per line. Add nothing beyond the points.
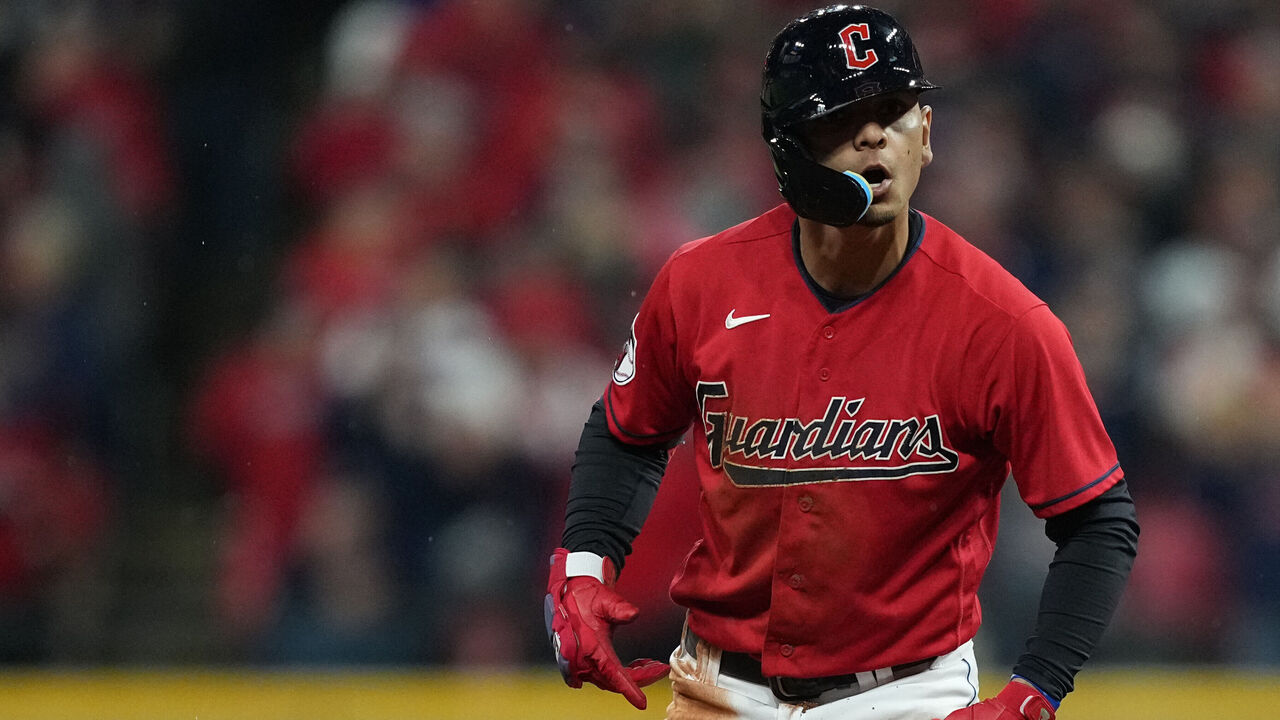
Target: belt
(788, 689)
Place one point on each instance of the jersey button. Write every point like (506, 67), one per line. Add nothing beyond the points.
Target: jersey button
(806, 503)
(796, 581)
(824, 374)
(786, 650)
(828, 332)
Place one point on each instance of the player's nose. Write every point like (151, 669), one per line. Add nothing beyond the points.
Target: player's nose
(871, 136)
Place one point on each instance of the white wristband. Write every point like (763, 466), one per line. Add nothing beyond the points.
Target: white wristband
(580, 564)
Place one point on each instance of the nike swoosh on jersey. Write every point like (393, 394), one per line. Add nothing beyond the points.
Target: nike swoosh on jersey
(731, 322)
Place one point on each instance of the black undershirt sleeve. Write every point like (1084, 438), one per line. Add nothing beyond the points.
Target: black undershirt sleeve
(1097, 543)
(612, 489)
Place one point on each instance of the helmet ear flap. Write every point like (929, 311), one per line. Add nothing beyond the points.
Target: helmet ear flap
(814, 190)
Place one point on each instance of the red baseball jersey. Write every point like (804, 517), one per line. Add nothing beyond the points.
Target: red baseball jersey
(851, 462)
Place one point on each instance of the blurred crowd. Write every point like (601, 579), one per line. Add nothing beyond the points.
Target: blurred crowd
(347, 278)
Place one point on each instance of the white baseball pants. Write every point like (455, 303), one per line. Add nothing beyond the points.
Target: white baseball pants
(700, 692)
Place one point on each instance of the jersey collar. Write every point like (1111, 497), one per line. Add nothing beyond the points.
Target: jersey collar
(835, 304)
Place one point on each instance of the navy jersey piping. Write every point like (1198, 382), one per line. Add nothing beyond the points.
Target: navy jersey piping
(1077, 491)
(654, 438)
(835, 304)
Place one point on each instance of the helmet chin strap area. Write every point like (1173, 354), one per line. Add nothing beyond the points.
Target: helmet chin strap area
(814, 190)
(865, 187)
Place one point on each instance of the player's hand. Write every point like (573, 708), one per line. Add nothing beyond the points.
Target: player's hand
(580, 613)
(1017, 701)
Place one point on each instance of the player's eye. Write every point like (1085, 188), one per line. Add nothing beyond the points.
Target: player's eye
(893, 109)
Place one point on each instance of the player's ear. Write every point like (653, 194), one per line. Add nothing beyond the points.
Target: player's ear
(926, 122)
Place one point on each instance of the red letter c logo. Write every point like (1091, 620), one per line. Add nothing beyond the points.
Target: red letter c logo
(856, 60)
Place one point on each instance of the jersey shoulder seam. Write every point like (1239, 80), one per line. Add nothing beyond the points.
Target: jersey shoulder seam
(1014, 316)
(741, 233)
(927, 250)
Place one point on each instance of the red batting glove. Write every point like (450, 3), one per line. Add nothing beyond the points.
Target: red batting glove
(1017, 701)
(581, 611)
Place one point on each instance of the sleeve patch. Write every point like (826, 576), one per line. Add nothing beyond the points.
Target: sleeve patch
(624, 370)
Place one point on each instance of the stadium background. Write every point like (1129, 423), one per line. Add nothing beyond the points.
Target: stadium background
(304, 305)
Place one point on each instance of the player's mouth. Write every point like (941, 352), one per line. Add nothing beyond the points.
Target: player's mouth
(879, 180)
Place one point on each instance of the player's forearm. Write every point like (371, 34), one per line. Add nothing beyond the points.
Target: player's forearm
(611, 492)
(1096, 547)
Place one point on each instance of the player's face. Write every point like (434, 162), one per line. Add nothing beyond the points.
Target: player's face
(885, 139)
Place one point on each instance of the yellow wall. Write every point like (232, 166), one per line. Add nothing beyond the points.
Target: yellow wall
(202, 695)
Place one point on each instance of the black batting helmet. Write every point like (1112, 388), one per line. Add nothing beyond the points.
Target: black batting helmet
(818, 64)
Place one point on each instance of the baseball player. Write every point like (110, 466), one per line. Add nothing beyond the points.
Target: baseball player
(860, 381)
